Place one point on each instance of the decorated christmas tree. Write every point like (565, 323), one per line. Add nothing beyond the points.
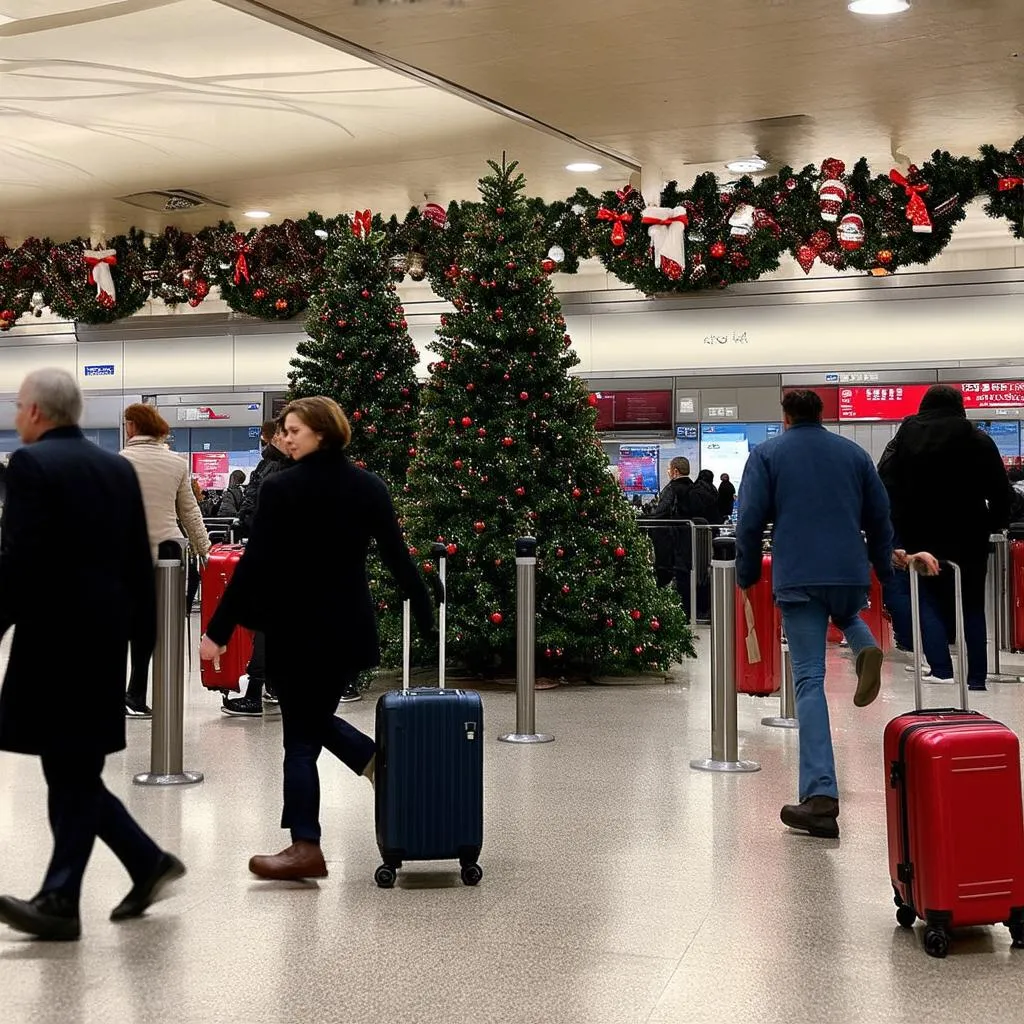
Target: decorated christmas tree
(359, 352)
(508, 448)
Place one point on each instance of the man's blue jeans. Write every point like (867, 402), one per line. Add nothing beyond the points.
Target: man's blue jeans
(805, 615)
(934, 639)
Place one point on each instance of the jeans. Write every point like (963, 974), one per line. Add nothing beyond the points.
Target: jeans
(81, 809)
(805, 615)
(309, 725)
(937, 604)
(934, 634)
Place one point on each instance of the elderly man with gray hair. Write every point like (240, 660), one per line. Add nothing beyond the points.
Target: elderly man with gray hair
(76, 582)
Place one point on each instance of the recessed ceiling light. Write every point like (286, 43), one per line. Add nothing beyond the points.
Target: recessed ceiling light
(747, 165)
(257, 214)
(878, 6)
(583, 167)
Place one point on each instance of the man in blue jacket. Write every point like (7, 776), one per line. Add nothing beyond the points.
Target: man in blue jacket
(820, 491)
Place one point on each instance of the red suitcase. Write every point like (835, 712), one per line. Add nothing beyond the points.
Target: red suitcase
(1017, 585)
(874, 615)
(215, 576)
(954, 814)
(762, 678)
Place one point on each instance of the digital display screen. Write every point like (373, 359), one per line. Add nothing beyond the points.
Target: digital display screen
(880, 402)
(638, 469)
(991, 394)
(634, 410)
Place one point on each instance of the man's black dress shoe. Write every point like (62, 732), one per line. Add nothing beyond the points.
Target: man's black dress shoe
(48, 916)
(146, 892)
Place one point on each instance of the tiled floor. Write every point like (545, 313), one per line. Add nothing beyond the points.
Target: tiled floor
(620, 886)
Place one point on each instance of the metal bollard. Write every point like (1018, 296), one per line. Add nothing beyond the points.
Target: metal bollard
(526, 646)
(168, 680)
(723, 664)
(998, 613)
(786, 718)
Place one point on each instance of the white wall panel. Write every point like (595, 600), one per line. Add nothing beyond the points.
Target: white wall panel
(974, 327)
(263, 358)
(18, 360)
(178, 363)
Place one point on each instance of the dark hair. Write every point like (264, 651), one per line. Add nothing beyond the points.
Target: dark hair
(269, 429)
(237, 477)
(146, 420)
(803, 406)
(706, 475)
(942, 396)
(680, 465)
(324, 417)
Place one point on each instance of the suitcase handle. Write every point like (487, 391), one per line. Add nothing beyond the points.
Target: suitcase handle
(440, 552)
(915, 625)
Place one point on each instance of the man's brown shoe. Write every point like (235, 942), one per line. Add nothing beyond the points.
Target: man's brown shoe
(817, 815)
(869, 676)
(302, 859)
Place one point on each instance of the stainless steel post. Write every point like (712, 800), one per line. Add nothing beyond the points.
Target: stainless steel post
(526, 646)
(693, 572)
(168, 680)
(723, 664)
(997, 607)
(786, 718)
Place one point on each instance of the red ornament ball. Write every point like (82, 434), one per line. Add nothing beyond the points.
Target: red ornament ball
(378, 376)
(479, 526)
(481, 432)
(259, 294)
(510, 266)
(412, 453)
(357, 415)
(194, 301)
(497, 618)
(566, 588)
(718, 250)
(452, 548)
(365, 293)
(885, 256)
(507, 442)
(428, 566)
(524, 396)
(635, 615)
(520, 491)
(577, 493)
(471, 386)
(591, 399)
(791, 183)
(620, 552)
(281, 305)
(499, 313)
(457, 463)
(506, 376)
(655, 625)
(500, 211)
(467, 421)
(559, 552)
(343, 324)
(638, 649)
(547, 265)
(609, 623)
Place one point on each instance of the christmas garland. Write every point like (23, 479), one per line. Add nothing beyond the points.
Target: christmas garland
(710, 235)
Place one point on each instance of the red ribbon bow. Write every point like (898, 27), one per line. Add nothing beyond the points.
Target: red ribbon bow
(624, 193)
(92, 261)
(241, 263)
(679, 218)
(917, 212)
(1007, 184)
(361, 224)
(618, 231)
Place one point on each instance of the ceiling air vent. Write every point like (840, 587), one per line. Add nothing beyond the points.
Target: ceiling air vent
(171, 200)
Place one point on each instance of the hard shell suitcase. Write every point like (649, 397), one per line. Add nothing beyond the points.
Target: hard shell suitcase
(429, 769)
(233, 662)
(954, 814)
(759, 678)
(874, 615)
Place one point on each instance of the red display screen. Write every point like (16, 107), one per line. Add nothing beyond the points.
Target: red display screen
(880, 401)
(991, 394)
(634, 410)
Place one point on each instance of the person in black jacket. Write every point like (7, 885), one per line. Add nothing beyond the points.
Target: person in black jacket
(231, 499)
(704, 498)
(250, 704)
(76, 582)
(949, 492)
(672, 550)
(327, 632)
(726, 497)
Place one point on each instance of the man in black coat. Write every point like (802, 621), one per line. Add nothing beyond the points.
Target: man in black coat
(949, 492)
(672, 547)
(76, 580)
(726, 497)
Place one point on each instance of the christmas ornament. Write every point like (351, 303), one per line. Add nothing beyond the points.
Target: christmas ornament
(365, 293)
(620, 552)
(481, 432)
(666, 229)
(592, 400)
(195, 301)
(467, 421)
(831, 196)
(556, 253)
(547, 265)
(718, 250)
(566, 588)
(497, 618)
(507, 442)
(523, 396)
(577, 493)
(791, 184)
(457, 463)
(471, 386)
(361, 223)
(851, 232)
(635, 615)
(281, 305)
(917, 212)
(885, 256)
(617, 219)
(99, 262)
(559, 552)
(832, 258)
(479, 526)
(259, 294)
(416, 266)
(452, 549)
(106, 300)
(655, 625)
(434, 215)
(741, 223)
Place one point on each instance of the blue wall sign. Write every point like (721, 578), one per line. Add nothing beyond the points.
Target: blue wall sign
(101, 370)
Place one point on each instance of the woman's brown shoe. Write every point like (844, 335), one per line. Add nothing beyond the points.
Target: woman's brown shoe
(302, 859)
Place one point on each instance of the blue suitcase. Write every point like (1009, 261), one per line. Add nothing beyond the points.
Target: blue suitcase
(429, 774)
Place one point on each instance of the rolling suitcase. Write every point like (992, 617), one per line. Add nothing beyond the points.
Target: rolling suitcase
(954, 818)
(761, 677)
(224, 674)
(874, 615)
(429, 769)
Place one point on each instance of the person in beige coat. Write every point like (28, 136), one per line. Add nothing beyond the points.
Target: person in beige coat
(167, 495)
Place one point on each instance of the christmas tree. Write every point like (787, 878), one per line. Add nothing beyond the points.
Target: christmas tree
(360, 353)
(508, 448)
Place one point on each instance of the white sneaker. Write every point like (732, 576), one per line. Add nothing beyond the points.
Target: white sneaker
(926, 673)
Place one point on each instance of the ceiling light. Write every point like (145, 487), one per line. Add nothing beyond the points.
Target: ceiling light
(878, 6)
(257, 214)
(583, 167)
(747, 165)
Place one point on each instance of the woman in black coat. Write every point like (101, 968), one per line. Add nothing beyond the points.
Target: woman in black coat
(309, 595)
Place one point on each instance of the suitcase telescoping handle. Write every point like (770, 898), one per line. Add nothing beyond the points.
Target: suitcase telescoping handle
(441, 553)
(915, 621)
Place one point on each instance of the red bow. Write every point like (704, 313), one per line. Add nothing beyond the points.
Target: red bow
(625, 193)
(618, 231)
(241, 263)
(1006, 184)
(92, 261)
(361, 224)
(917, 212)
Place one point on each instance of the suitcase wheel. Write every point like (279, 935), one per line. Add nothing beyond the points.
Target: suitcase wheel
(471, 874)
(385, 876)
(906, 916)
(936, 942)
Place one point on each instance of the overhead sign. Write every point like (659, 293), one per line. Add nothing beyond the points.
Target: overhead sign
(100, 370)
(894, 402)
(992, 394)
(197, 413)
(211, 470)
